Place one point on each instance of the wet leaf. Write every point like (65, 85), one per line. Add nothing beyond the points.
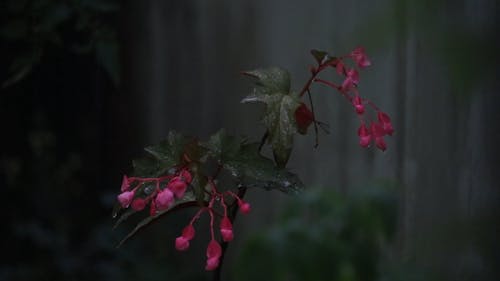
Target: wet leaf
(272, 89)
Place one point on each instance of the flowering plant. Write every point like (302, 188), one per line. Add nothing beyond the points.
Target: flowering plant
(214, 175)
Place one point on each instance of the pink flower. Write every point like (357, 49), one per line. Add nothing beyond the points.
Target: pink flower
(138, 204)
(226, 229)
(364, 135)
(360, 57)
(212, 263)
(378, 133)
(182, 242)
(164, 199)
(186, 176)
(125, 198)
(188, 232)
(178, 187)
(125, 184)
(386, 123)
(244, 207)
(358, 105)
(351, 80)
(214, 251)
(380, 143)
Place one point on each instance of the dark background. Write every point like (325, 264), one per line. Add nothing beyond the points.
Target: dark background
(86, 84)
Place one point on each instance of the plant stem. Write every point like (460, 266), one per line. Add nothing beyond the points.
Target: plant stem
(232, 216)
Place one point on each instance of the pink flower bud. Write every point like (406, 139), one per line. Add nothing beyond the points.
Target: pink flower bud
(212, 263)
(364, 136)
(164, 199)
(181, 243)
(226, 229)
(213, 250)
(138, 204)
(358, 105)
(125, 198)
(178, 187)
(188, 232)
(386, 122)
(377, 130)
(380, 142)
(351, 79)
(244, 207)
(186, 176)
(125, 184)
(360, 57)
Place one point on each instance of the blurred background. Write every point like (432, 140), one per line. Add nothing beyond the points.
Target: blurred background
(86, 84)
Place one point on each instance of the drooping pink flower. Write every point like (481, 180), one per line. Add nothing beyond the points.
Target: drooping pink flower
(188, 232)
(358, 105)
(178, 186)
(138, 204)
(244, 207)
(360, 57)
(226, 229)
(351, 80)
(186, 176)
(164, 199)
(386, 122)
(214, 251)
(365, 135)
(182, 242)
(125, 198)
(378, 133)
(125, 184)
(380, 143)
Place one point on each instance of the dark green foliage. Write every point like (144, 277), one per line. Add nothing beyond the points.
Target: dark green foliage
(32, 29)
(232, 155)
(325, 236)
(273, 89)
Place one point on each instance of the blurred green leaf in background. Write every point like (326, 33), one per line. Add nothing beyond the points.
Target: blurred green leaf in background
(324, 235)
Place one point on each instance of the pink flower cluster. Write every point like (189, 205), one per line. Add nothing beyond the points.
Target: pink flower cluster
(174, 186)
(161, 198)
(377, 128)
(214, 250)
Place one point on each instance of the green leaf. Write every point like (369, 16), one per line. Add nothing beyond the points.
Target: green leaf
(273, 87)
(251, 169)
(281, 180)
(319, 55)
(186, 201)
(170, 150)
(322, 57)
(222, 146)
(272, 79)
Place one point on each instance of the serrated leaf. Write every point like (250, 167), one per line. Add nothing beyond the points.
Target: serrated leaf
(170, 150)
(272, 80)
(220, 145)
(150, 167)
(281, 105)
(319, 55)
(281, 180)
